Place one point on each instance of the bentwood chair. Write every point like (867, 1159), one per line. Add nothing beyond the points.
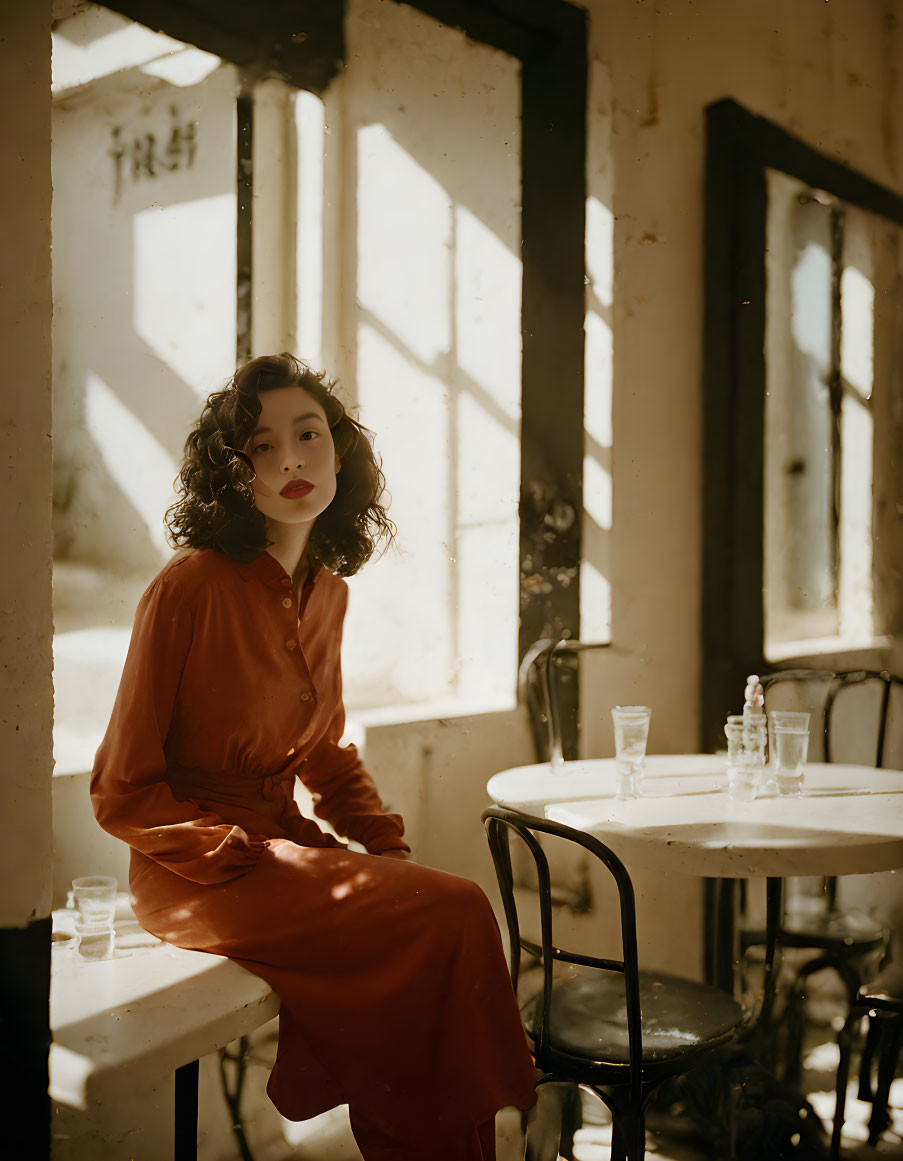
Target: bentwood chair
(882, 1002)
(604, 1024)
(850, 717)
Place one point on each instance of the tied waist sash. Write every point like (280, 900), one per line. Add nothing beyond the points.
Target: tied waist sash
(247, 789)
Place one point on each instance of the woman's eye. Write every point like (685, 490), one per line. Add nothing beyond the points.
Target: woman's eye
(308, 435)
(261, 447)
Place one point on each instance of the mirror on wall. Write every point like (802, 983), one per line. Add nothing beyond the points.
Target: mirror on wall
(832, 269)
(802, 493)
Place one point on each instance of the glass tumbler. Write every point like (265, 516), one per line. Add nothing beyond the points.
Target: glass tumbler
(745, 755)
(791, 747)
(631, 724)
(790, 719)
(95, 901)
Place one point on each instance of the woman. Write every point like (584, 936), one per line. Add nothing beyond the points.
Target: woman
(395, 996)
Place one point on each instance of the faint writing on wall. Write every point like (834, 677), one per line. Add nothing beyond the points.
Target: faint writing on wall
(141, 156)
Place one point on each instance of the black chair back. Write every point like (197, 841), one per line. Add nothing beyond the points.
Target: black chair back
(545, 665)
(851, 711)
(500, 822)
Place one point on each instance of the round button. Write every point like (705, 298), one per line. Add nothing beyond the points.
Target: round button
(305, 696)
(291, 644)
(287, 603)
(286, 581)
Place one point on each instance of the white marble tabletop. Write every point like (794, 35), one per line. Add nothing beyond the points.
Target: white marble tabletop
(152, 1007)
(849, 820)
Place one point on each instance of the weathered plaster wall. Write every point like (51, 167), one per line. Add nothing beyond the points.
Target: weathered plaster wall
(26, 626)
(144, 289)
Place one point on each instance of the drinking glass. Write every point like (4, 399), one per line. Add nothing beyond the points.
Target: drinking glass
(631, 724)
(791, 747)
(95, 900)
(791, 719)
(94, 943)
(745, 755)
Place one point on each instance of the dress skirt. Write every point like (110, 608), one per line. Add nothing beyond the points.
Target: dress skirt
(395, 995)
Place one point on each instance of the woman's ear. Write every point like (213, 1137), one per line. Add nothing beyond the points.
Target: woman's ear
(338, 465)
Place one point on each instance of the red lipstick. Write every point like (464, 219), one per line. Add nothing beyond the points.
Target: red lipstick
(296, 488)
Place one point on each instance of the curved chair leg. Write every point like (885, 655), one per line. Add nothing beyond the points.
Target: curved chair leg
(794, 1012)
(544, 1123)
(795, 1026)
(845, 1044)
(628, 1138)
(571, 1120)
(866, 1062)
(891, 1043)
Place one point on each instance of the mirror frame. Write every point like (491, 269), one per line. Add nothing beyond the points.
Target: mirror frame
(740, 148)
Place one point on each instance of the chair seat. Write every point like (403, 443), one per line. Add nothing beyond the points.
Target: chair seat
(832, 930)
(588, 1016)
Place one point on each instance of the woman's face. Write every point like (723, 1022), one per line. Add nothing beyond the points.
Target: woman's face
(293, 457)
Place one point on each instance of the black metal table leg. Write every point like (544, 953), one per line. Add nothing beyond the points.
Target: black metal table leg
(774, 915)
(720, 932)
(185, 1143)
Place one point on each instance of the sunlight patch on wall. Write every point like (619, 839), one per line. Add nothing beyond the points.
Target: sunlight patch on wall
(184, 287)
(598, 513)
(403, 239)
(139, 465)
(183, 67)
(98, 42)
(487, 311)
(600, 262)
(310, 136)
(408, 408)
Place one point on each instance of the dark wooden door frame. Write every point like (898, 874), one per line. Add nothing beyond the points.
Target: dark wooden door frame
(740, 147)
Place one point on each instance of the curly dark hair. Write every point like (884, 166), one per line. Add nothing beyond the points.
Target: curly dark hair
(216, 506)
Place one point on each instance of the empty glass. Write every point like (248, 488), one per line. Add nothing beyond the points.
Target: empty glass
(745, 755)
(95, 901)
(631, 724)
(790, 747)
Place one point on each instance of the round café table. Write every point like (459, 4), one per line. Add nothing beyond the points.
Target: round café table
(849, 821)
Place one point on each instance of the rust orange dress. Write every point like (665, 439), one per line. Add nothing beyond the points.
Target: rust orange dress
(394, 993)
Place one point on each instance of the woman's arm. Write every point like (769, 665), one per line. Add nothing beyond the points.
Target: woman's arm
(346, 796)
(130, 797)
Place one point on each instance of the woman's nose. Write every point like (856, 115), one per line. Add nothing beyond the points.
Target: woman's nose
(292, 461)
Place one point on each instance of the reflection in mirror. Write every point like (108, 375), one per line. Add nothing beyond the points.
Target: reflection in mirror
(831, 269)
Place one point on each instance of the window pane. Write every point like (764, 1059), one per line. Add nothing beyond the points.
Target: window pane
(432, 345)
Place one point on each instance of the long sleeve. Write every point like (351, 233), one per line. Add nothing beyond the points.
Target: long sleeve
(129, 793)
(346, 795)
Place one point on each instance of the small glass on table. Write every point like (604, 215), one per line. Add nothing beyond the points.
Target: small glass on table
(789, 740)
(745, 755)
(95, 901)
(631, 724)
